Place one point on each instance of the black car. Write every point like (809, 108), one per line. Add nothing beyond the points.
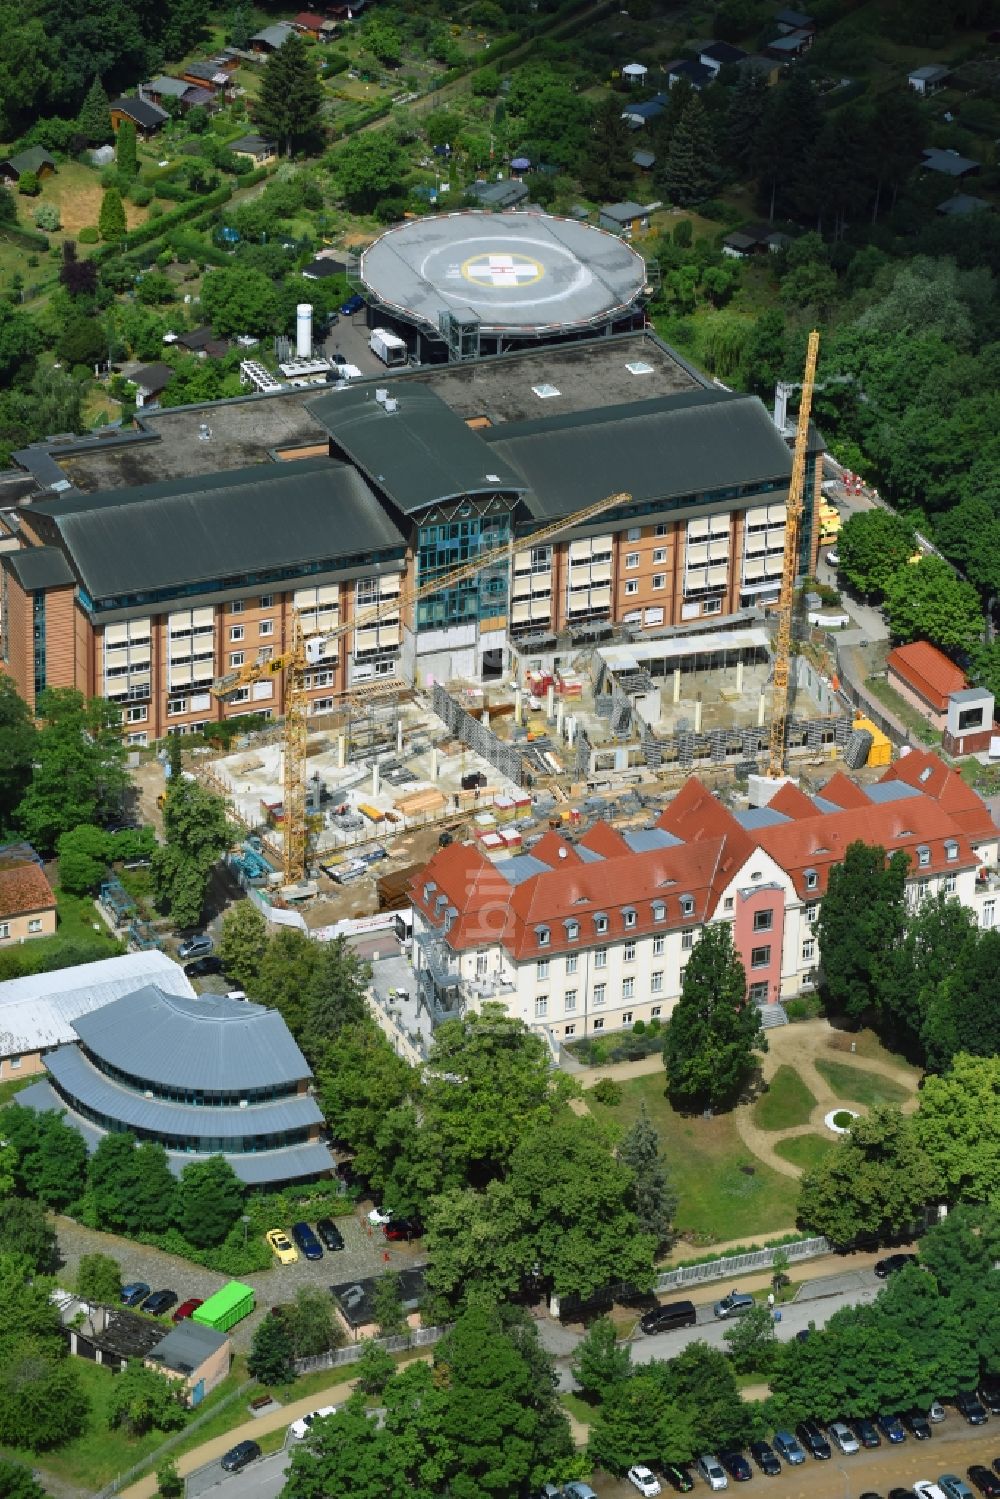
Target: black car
(984, 1480)
(917, 1425)
(679, 1479)
(330, 1234)
(203, 968)
(902, 1494)
(989, 1392)
(892, 1263)
(968, 1405)
(672, 1314)
(307, 1241)
(813, 1440)
(866, 1432)
(766, 1458)
(736, 1466)
(159, 1302)
(237, 1458)
(891, 1428)
(870, 1494)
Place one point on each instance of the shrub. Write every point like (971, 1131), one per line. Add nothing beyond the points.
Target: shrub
(843, 1118)
(88, 235)
(639, 1028)
(28, 185)
(608, 1092)
(47, 216)
(140, 194)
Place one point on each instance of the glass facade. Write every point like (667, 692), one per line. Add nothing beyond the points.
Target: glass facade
(38, 639)
(192, 1096)
(445, 545)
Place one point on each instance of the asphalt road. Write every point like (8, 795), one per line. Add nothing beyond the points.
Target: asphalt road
(263, 1479)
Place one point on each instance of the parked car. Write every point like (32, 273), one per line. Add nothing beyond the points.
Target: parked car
(936, 1412)
(955, 1487)
(968, 1405)
(866, 1432)
(712, 1471)
(185, 1309)
(134, 1293)
(766, 1458)
(401, 1229)
(379, 1217)
(645, 1480)
(159, 1302)
(203, 968)
(788, 1448)
(736, 1466)
(892, 1263)
(330, 1234)
(917, 1425)
(577, 1489)
(891, 1428)
(237, 1458)
(925, 1488)
(833, 557)
(843, 1437)
(307, 1241)
(734, 1305)
(282, 1245)
(870, 1494)
(679, 1478)
(902, 1494)
(671, 1314)
(300, 1428)
(984, 1480)
(352, 305)
(197, 946)
(989, 1393)
(813, 1440)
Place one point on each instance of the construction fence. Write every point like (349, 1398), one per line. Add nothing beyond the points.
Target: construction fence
(478, 737)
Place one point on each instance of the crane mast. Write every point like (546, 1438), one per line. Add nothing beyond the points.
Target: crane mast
(793, 518)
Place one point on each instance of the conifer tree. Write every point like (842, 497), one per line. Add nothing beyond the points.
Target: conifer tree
(111, 221)
(690, 171)
(288, 108)
(94, 118)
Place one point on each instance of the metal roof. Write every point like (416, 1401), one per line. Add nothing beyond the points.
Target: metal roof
(81, 1080)
(164, 85)
(672, 447)
(276, 35)
(219, 1044)
(40, 1009)
(641, 840)
(38, 567)
(891, 791)
(520, 867)
(186, 1347)
(179, 532)
(760, 817)
(418, 454)
(142, 111)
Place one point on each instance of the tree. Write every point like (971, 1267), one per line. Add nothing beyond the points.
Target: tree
(271, 1352)
(99, 1280)
(871, 545)
(383, 41)
(131, 1187)
(653, 1196)
(240, 302)
(912, 984)
(17, 744)
(860, 922)
(197, 833)
(291, 97)
(690, 170)
(142, 1399)
(926, 601)
(209, 1200)
(244, 942)
(126, 155)
(25, 1229)
(78, 276)
(714, 1032)
(240, 30)
(79, 773)
(17, 1482)
(387, 1304)
(359, 1079)
(311, 1324)
(50, 1156)
(479, 1244)
(701, 1383)
(876, 1181)
(169, 1483)
(349, 1453)
(744, 112)
(557, 125)
(599, 1362)
(84, 853)
(607, 168)
(637, 1422)
(962, 1014)
(28, 185)
(368, 167)
(374, 1368)
(751, 1341)
(20, 341)
(111, 219)
(958, 1127)
(42, 1404)
(318, 987)
(82, 341)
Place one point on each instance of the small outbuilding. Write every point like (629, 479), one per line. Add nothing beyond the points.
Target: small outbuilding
(272, 38)
(35, 159)
(635, 74)
(928, 79)
(320, 27)
(146, 116)
(644, 160)
(794, 20)
(27, 902)
(499, 195)
(255, 148)
(197, 1356)
(949, 163)
(720, 55)
(150, 382)
(696, 73)
(355, 1301)
(961, 205)
(626, 218)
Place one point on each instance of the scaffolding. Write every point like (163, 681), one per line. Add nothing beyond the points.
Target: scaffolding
(478, 737)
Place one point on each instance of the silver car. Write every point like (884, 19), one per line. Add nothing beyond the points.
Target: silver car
(733, 1305)
(843, 1437)
(714, 1474)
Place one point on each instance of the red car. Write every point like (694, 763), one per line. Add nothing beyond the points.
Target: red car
(186, 1308)
(401, 1228)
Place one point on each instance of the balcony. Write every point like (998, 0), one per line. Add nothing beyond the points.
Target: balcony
(439, 971)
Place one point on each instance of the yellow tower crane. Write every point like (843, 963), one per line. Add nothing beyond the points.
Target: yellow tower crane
(305, 651)
(793, 517)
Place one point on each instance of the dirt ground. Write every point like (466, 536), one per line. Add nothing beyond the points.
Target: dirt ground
(77, 192)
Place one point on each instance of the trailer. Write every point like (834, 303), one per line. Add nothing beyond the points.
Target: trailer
(227, 1307)
(388, 347)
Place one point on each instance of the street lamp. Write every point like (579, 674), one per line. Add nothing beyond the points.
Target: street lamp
(246, 1225)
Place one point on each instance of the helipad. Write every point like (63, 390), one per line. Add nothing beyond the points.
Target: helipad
(517, 273)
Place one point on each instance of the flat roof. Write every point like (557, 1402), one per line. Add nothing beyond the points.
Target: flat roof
(522, 270)
(186, 1347)
(637, 653)
(39, 1009)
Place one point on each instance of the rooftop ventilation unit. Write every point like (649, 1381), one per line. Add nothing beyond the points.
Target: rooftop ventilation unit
(391, 405)
(639, 367)
(204, 432)
(381, 395)
(545, 392)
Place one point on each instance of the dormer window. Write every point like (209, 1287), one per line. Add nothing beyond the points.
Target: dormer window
(572, 931)
(628, 915)
(923, 855)
(429, 890)
(600, 923)
(812, 879)
(542, 933)
(950, 850)
(659, 910)
(687, 905)
(449, 917)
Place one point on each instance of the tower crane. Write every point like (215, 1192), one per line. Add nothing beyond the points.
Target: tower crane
(793, 517)
(305, 651)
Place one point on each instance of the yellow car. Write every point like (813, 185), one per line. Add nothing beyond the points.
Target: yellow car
(282, 1245)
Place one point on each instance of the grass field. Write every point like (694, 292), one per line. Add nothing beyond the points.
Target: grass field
(787, 1102)
(76, 190)
(856, 1086)
(806, 1151)
(725, 1192)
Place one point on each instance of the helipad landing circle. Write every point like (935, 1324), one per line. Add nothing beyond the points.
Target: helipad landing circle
(516, 272)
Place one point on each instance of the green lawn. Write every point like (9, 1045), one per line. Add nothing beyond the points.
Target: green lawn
(725, 1192)
(857, 1086)
(806, 1151)
(577, 1407)
(14, 1085)
(908, 715)
(787, 1102)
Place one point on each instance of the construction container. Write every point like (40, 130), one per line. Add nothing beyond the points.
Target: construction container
(394, 889)
(373, 814)
(503, 808)
(491, 843)
(512, 839)
(880, 753)
(227, 1307)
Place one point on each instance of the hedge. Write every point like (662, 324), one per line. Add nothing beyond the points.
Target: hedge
(30, 239)
(157, 228)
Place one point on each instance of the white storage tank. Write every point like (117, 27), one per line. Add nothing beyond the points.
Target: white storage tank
(304, 330)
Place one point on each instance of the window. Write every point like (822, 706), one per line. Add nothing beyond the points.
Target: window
(569, 1001)
(711, 606)
(600, 957)
(599, 1025)
(600, 924)
(629, 953)
(659, 910)
(756, 876)
(629, 916)
(760, 957)
(687, 905)
(542, 968)
(661, 528)
(236, 659)
(632, 559)
(236, 632)
(267, 601)
(15, 1062)
(628, 988)
(237, 606)
(660, 555)
(633, 533)
(572, 931)
(266, 627)
(656, 1012)
(989, 913)
(542, 933)
(541, 1007)
(569, 1030)
(923, 855)
(950, 850)
(808, 950)
(727, 904)
(656, 983)
(950, 884)
(812, 910)
(659, 580)
(572, 962)
(4, 929)
(600, 994)
(812, 879)
(632, 586)
(763, 921)
(136, 715)
(35, 924)
(687, 941)
(482, 964)
(177, 705)
(626, 1017)
(758, 994)
(658, 945)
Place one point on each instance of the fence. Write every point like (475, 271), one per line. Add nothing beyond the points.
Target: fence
(737, 1264)
(153, 1459)
(854, 691)
(418, 1337)
(479, 738)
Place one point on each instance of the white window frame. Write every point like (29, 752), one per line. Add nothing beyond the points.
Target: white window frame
(236, 632)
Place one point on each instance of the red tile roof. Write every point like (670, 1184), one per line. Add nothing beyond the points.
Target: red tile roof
(310, 22)
(929, 774)
(24, 890)
(928, 671)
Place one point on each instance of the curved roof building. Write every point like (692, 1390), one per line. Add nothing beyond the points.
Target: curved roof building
(201, 1076)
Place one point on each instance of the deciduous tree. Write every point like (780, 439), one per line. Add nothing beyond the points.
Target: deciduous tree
(209, 1200)
(637, 1422)
(271, 1352)
(368, 167)
(714, 1033)
(25, 1229)
(926, 601)
(50, 1156)
(600, 1362)
(387, 1304)
(311, 1324)
(18, 1483)
(860, 922)
(871, 545)
(198, 832)
(876, 1181)
(751, 1342)
(240, 302)
(141, 1399)
(244, 942)
(132, 1188)
(99, 1279)
(17, 740)
(79, 772)
(958, 1127)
